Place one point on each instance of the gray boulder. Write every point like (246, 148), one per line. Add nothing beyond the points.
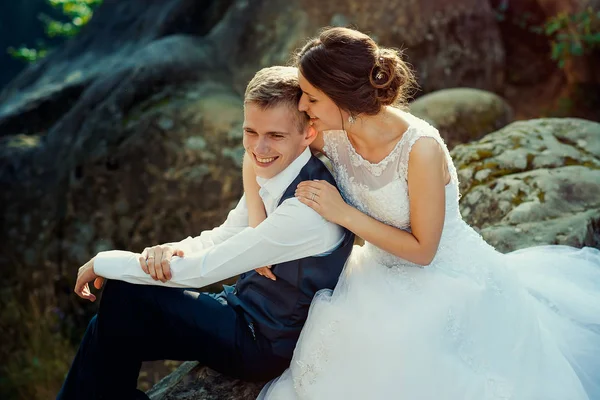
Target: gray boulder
(463, 114)
(533, 182)
(194, 382)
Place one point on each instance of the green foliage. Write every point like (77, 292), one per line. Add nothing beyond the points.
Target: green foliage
(573, 35)
(570, 35)
(76, 14)
(26, 54)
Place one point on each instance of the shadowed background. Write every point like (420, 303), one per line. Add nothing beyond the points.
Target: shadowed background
(120, 127)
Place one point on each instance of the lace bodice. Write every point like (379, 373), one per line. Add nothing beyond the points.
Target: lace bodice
(381, 190)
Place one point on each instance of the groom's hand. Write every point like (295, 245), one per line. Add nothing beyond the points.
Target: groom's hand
(85, 275)
(156, 261)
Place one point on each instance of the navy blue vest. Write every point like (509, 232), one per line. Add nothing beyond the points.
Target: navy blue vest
(278, 309)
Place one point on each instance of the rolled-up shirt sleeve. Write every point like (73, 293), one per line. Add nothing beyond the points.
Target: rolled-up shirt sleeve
(291, 232)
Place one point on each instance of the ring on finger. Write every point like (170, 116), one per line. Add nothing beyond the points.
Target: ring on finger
(312, 197)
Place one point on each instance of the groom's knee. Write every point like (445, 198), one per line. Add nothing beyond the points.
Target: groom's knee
(118, 300)
(117, 292)
(113, 285)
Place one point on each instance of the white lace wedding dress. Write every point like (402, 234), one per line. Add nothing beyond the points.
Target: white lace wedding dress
(473, 325)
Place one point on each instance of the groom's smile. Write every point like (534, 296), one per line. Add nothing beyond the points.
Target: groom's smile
(264, 161)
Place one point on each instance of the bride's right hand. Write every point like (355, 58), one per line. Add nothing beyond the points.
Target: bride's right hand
(266, 272)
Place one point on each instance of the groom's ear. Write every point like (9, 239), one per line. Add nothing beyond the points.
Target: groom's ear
(310, 133)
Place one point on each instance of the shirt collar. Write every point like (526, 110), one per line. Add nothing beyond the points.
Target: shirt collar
(276, 185)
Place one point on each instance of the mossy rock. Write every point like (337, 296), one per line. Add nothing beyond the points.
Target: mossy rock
(533, 182)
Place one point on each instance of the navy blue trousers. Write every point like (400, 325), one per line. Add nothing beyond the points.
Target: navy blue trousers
(138, 323)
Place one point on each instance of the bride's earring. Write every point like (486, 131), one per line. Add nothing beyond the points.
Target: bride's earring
(351, 120)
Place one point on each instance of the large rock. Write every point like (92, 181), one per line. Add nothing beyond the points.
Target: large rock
(194, 382)
(533, 182)
(463, 114)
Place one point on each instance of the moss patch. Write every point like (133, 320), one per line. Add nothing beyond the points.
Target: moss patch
(530, 158)
(542, 196)
(482, 154)
(516, 142)
(489, 165)
(519, 197)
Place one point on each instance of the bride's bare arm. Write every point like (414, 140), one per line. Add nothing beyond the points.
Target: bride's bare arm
(256, 208)
(427, 178)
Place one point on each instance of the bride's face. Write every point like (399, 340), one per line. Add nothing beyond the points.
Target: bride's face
(323, 112)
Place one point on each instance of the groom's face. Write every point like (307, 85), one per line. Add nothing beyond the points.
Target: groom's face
(272, 138)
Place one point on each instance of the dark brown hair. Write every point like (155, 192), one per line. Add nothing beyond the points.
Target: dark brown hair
(353, 71)
(274, 86)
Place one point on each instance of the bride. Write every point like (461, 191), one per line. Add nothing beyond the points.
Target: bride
(426, 309)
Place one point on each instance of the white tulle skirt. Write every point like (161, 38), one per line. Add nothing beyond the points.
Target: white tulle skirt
(474, 325)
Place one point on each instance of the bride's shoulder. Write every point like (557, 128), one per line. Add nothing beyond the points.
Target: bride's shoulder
(415, 122)
(417, 129)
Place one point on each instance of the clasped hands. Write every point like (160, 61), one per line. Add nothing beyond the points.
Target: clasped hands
(155, 261)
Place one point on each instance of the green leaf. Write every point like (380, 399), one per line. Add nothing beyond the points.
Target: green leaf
(26, 54)
(592, 39)
(553, 26)
(557, 50)
(576, 49)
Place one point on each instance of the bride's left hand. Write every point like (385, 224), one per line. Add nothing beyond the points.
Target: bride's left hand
(324, 198)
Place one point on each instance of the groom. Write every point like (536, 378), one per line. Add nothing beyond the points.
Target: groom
(248, 331)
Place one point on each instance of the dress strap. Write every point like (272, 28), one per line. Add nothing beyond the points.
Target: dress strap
(420, 130)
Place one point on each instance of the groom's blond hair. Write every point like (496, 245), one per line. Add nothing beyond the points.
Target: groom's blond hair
(275, 86)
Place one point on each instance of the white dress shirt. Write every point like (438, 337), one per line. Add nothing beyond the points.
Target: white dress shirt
(291, 231)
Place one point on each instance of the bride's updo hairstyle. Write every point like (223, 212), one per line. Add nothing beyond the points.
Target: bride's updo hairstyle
(359, 76)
